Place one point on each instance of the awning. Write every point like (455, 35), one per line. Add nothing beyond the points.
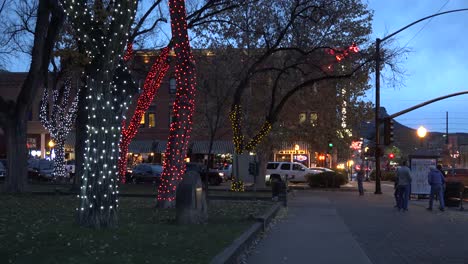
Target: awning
(290, 145)
(219, 147)
(160, 146)
(141, 146)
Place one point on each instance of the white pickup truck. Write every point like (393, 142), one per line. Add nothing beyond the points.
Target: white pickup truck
(293, 171)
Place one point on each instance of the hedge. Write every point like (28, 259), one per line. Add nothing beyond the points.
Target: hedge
(327, 179)
(384, 175)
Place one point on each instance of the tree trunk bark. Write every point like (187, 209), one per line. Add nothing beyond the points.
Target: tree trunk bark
(16, 180)
(48, 24)
(80, 137)
(183, 108)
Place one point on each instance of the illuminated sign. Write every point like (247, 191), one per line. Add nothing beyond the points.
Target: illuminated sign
(292, 152)
(356, 145)
(300, 157)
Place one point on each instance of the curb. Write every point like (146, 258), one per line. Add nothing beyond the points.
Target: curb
(233, 251)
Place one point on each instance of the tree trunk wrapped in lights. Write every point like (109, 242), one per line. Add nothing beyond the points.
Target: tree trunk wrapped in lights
(151, 86)
(103, 30)
(59, 121)
(183, 108)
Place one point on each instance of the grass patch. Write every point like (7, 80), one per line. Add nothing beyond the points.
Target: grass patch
(41, 229)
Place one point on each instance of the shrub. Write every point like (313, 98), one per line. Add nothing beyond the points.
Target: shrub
(384, 175)
(327, 179)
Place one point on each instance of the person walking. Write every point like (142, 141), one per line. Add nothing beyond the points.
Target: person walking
(404, 180)
(360, 179)
(436, 180)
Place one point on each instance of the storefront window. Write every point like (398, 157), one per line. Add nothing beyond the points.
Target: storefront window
(142, 121)
(313, 118)
(172, 86)
(302, 118)
(151, 120)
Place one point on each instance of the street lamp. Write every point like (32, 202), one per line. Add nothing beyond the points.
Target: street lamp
(378, 41)
(422, 131)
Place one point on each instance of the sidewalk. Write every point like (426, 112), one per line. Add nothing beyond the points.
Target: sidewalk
(342, 227)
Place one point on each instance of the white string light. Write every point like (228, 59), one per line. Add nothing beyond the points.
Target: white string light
(59, 122)
(100, 38)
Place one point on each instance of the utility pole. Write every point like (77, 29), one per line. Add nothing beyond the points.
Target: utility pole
(378, 41)
(446, 128)
(377, 153)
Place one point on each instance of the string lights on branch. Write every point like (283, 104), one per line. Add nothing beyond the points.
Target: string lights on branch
(59, 121)
(102, 29)
(183, 107)
(152, 83)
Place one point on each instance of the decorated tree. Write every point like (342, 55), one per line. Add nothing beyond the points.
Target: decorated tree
(286, 48)
(200, 14)
(152, 83)
(48, 17)
(58, 120)
(103, 28)
(183, 108)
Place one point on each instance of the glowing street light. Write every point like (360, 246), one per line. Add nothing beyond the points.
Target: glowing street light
(51, 144)
(422, 131)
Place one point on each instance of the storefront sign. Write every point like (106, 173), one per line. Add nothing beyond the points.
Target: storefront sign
(300, 158)
(292, 152)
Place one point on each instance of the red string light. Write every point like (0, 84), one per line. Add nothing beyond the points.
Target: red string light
(129, 53)
(152, 83)
(183, 107)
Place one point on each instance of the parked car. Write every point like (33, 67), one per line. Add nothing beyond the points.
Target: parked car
(40, 169)
(212, 177)
(70, 167)
(146, 172)
(456, 175)
(321, 169)
(293, 171)
(226, 171)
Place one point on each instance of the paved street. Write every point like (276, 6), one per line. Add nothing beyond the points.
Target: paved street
(341, 227)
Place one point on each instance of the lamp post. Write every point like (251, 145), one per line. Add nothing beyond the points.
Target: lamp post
(378, 42)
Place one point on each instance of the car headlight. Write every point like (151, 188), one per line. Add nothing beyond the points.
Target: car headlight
(221, 174)
(267, 177)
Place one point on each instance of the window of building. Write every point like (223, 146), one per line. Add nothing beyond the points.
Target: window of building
(172, 85)
(313, 118)
(142, 121)
(302, 118)
(151, 120)
(171, 115)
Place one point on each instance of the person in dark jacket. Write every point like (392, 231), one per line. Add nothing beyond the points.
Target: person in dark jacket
(436, 180)
(404, 181)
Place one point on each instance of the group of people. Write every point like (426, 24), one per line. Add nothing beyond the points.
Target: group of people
(403, 179)
(435, 178)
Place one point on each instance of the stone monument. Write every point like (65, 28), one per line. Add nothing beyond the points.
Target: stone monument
(191, 206)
